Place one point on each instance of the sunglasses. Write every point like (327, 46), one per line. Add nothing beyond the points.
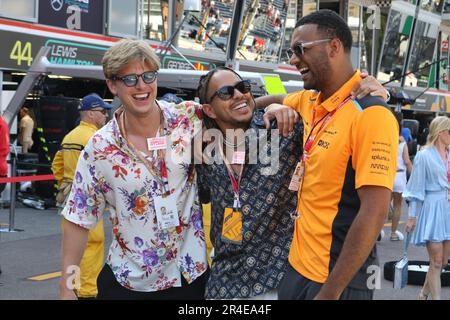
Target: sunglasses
(104, 111)
(131, 80)
(227, 92)
(299, 47)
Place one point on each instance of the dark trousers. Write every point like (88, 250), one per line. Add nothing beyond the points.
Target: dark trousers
(110, 289)
(296, 287)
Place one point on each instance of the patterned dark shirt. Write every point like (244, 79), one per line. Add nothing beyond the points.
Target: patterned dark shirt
(259, 263)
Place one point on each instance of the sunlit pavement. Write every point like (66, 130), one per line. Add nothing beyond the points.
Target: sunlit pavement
(35, 252)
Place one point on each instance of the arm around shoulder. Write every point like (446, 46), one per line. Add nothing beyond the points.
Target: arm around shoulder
(265, 101)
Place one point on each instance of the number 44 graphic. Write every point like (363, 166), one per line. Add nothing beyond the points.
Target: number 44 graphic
(21, 53)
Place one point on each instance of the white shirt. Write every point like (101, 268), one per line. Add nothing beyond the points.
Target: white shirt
(111, 178)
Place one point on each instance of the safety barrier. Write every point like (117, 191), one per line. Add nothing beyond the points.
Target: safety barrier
(13, 179)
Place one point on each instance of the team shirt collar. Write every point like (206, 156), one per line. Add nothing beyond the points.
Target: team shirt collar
(339, 96)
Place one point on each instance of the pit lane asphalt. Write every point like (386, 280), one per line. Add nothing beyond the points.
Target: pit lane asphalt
(36, 251)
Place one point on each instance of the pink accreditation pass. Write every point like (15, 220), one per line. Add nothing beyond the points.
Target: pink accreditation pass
(157, 143)
(238, 157)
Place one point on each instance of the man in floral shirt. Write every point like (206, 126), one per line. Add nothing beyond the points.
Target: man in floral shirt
(137, 164)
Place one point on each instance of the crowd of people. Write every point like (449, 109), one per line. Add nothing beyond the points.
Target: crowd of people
(302, 227)
(130, 170)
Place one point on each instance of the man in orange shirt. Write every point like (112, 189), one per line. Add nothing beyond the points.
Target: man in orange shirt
(346, 173)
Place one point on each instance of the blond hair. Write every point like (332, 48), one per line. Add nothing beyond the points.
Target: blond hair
(437, 125)
(126, 51)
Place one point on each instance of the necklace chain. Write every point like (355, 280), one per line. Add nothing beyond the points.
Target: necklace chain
(232, 144)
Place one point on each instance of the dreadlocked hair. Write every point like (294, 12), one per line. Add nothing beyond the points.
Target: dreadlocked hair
(202, 91)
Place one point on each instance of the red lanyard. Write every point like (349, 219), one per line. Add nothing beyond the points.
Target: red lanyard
(160, 173)
(234, 183)
(312, 138)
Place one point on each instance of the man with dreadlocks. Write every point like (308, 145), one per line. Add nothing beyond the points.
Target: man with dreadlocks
(251, 227)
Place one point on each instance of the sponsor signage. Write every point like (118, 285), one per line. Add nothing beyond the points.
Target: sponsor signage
(83, 15)
(180, 63)
(67, 52)
(434, 101)
(18, 51)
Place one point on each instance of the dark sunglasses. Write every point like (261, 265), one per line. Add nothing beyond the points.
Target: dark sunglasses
(104, 111)
(227, 92)
(131, 80)
(299, 47)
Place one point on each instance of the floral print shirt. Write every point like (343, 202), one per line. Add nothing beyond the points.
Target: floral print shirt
(110, 178)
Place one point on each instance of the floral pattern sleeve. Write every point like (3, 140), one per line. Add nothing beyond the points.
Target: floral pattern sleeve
(86, 202)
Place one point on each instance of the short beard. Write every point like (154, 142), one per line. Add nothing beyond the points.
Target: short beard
(321, 71)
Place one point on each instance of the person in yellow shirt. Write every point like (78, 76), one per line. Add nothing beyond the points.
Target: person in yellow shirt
(93, 115)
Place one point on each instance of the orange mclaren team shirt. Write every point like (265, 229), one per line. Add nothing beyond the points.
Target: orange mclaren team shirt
(355, 148)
